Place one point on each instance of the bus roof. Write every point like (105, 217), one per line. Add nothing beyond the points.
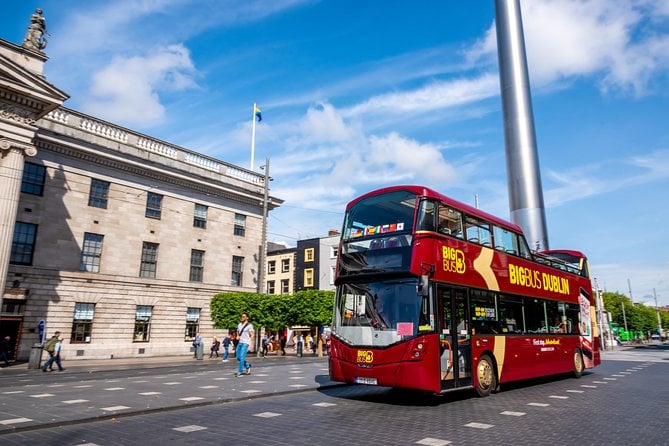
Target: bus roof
(431, 193)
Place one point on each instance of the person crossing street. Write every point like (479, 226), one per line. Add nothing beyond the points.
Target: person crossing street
(245, 334)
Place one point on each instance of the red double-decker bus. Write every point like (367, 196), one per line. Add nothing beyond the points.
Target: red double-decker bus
(435, 295)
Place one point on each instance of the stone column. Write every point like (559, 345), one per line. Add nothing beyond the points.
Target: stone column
(12, 160)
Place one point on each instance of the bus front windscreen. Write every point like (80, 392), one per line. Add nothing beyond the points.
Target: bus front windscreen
(380, 313)
(391, 213)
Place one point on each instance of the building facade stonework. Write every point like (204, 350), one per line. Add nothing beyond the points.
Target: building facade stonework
(118, 240)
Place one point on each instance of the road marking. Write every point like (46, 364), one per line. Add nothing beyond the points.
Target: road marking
(433, 442)
(257, 382)
(297, 385)
(13, 392)
(513, 414)
(296, 377)
(324, 404)
(576, 391)
(189, 429)
(619, 376)
(150, 393)
(15, 420)
(538, 404)
(610, 379)
(588, 386)
(172, 383)
(114, 408)
(479, 425)
(41, 395)
(250, 391)
(83, 387)
(267, 414)
(208, 387)
(600, 382)
(75, 401)
(191, 398)
(115, 388)
(141, 381)
(559, 397)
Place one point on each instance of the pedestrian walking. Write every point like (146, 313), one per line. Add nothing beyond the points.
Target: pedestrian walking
(282, 342)
(245, 335)
(226, 347)
(300, 344)
(55, 355)
(215, 346)
(5, 349)
(197, 342)
(264, 343)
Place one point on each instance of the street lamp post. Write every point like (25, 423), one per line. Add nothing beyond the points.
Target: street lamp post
(263, 243)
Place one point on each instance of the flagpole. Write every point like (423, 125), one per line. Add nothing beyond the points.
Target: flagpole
(253, 133)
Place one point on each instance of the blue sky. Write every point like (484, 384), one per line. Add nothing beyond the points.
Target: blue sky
(358, 95)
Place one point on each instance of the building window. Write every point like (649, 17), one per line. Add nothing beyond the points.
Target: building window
(240, 224)
(285, 265)
(270, 287)
(149, 260)
(154, 205)
(91, 252)
(192, 323)
(23, 244)
(200, 216)
(82, 323)
(142, 323)
(334, 250)
(196, 265)
(309, 255)
(237, 268)
(99, 193)
(333, 273)
(285, 286)
(33, 179)
(309, 277)
(271, 267)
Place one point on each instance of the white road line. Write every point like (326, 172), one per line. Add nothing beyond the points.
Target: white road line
(538, 404)
(433, 442)
(513, 414)
(15, 421)
(479, 425)
(188, 429)
(114, 408)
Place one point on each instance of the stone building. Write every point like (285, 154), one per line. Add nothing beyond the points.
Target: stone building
(316, 261)
(116, 239)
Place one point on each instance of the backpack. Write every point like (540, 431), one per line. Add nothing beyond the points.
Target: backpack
(50, 345)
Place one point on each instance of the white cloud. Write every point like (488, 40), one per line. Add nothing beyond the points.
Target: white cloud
(566, 39)
(584, 182)
(128, 89)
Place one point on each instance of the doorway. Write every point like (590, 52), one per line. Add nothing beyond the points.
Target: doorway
(454, 337)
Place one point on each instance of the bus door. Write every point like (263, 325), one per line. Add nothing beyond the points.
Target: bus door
(455, 337)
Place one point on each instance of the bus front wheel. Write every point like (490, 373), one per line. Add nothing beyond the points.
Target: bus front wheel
(578, 364)
(486, 381)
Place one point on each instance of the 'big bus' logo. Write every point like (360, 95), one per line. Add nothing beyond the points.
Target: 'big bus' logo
(453, 260)
(366, 356)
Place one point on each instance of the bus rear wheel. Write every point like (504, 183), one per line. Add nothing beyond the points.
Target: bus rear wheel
(486, 381)
(579, 366)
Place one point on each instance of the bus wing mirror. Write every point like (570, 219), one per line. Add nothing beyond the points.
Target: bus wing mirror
(423, 285)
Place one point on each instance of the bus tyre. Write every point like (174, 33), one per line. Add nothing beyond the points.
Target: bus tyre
(578, 364)
(486, 380)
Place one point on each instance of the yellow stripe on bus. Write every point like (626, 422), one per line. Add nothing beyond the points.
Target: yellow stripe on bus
(482, 266)
(499, 351)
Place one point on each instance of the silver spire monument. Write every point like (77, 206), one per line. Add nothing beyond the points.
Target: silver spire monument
(526, 200)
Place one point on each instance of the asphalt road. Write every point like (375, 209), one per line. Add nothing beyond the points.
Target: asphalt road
(621, 402)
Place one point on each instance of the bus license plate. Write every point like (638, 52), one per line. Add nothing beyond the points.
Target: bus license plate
(365, 380)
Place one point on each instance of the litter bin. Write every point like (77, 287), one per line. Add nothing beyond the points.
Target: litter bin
(199, 351)
(35, 361)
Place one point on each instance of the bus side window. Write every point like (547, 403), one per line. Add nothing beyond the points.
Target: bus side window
(450, 221)
(426, 214)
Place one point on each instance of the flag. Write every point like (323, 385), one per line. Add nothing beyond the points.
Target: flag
(257, 113)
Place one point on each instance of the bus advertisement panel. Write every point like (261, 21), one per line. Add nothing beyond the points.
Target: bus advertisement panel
(435, 295)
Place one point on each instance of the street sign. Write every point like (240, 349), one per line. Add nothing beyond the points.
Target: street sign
(41, 328)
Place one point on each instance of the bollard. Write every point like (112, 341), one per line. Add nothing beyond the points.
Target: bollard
(35, 361)
(199, 351)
